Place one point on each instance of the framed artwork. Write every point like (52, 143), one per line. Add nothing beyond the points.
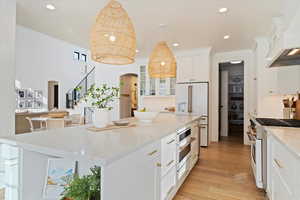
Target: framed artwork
(22, 94)
(38, 94)
(38, 104)
(29, 94)
(59, 174)
(21, 104)
(29, 104)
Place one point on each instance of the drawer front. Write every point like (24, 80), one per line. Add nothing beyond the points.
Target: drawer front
(152, 151)
(168, 184)
(169, 151)
(280, 190)
(284, 162)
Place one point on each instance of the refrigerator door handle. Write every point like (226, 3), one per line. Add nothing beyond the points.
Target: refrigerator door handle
(190, 99)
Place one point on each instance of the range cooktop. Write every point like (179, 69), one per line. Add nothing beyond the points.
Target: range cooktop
(279, 122)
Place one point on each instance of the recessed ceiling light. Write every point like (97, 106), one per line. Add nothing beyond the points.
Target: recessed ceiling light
(226, 37)
(137, 51)
(175, 44)
(50, 7)
(223, 10)
(235, 62)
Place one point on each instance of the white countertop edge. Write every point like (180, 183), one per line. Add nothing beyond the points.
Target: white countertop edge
(101, 161)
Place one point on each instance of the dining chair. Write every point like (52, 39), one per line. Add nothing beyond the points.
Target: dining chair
(31, 126)
(55, 123)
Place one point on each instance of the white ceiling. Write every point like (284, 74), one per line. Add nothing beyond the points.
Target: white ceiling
(191, 23)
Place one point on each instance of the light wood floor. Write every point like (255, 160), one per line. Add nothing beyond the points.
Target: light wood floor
(223, 173)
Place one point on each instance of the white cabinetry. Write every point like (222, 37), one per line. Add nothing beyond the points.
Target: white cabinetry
(168, 161)
(195, 144)
(288, 80)
(283, 176)
(194, 67)
(139, 172)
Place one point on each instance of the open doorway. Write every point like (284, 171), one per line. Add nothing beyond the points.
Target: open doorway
(53, 95)
(128, 95)
(231, 100)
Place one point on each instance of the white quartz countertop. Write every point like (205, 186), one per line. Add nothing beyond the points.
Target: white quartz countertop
(100, 147)
(289, 137)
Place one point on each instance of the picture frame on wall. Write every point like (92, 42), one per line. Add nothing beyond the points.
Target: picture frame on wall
(38, 94)
(29, 94)
(38, 104)
(21, 104)
(22, 93)
(29, 104)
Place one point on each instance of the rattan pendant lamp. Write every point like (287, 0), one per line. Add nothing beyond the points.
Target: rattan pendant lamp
(162, 62)
(113, 39)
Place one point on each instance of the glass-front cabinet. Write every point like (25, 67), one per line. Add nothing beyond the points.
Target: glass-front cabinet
(9, 172)
(155, 86)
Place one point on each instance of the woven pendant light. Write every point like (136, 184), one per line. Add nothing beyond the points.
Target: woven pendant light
(162, 63)
(113, 39)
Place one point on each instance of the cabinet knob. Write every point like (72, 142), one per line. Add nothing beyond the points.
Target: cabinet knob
(158, 164)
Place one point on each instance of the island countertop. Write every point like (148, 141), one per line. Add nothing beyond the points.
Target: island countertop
(289, 137)
(100, 147)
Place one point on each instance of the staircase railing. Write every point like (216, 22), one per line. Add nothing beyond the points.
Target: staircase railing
(74, 95)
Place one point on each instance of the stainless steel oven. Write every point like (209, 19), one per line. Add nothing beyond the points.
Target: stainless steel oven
(184, 152)
(256, 154)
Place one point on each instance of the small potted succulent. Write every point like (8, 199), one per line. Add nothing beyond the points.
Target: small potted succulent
(101, 98)
(84, 188)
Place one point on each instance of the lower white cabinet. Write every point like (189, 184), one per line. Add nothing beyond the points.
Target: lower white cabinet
(168, 184)
(195, 144)
(283, 172)
(168, 153)
(139, 172)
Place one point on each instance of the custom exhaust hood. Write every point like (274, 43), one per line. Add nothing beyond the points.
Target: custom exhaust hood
(284, 46)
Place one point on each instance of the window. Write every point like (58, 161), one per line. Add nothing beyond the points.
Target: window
(142, 80)
(152, 87)
(76, 55)
(162, 87)
(83, 57)
(172, 86)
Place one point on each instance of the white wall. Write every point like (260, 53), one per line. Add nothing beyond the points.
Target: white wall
(7, 63)
(41, 58)
(249, 68)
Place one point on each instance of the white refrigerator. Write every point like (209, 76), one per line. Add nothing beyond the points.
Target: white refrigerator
(192, 98)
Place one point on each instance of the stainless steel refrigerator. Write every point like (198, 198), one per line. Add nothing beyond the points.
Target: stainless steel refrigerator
(192, 98)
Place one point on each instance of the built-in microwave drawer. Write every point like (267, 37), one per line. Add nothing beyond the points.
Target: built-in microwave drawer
(184, 152)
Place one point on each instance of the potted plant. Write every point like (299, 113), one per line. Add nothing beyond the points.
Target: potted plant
(84, 188)
(101, 98)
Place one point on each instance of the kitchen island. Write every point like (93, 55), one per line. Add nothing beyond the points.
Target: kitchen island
(148, 161)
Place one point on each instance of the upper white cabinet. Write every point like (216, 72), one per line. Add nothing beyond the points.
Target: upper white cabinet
(194, 67)
(288, 80)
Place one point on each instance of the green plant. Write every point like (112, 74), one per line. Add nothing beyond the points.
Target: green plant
(86, 187)
(101, 97)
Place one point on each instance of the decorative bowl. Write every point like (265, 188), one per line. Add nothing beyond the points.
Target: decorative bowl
(145, 116)
(121, 123)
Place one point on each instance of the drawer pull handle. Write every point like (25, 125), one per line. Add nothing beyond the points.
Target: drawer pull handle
(171, 141)
(152, 153)
(278, 164)
(158, 164)
(202, 126)
(170, 163)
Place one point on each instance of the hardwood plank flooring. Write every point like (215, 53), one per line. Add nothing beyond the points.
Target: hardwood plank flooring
(222, 173)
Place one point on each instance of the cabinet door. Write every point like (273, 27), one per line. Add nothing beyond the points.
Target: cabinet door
(168, 153)
(200, 69)
(280, 190)
(184, 69)
(288, 80)
(134, 177)
(168, 184)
